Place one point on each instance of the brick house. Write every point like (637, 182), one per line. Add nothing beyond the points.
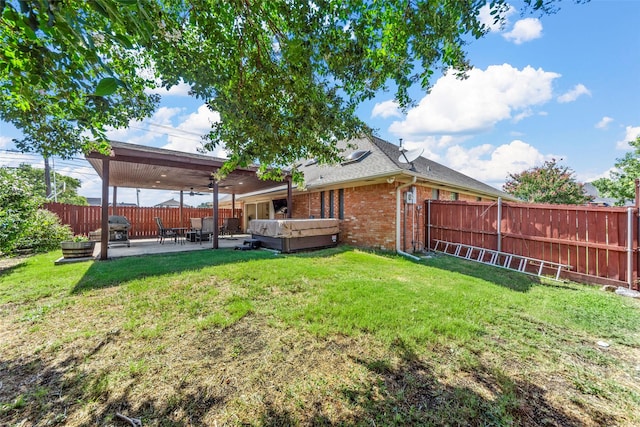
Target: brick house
(368, 193)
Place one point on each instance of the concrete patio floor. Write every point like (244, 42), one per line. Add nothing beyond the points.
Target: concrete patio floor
(140, 247)
(151, 246)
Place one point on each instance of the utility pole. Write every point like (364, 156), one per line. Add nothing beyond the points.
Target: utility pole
(55, 185)
(47, 177)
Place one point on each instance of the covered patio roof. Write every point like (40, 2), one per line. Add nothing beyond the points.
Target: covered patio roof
(137, 166)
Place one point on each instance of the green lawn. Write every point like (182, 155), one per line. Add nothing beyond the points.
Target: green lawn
(337, 337)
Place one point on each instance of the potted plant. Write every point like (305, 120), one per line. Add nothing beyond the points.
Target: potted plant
(78, 247)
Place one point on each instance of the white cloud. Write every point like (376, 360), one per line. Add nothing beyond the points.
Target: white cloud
(434, 145)
(523, 115)
(188, 135)
(604, 123)
(488, 20)
(159, 130)
(181, 89)
(151, 131)
(524, 30)
(386, 109)
(476, 104)
(631, 133)
(491, 164)
(163, 115)
(5, 141)
(574, 94)
(591, 176)
(15, 159)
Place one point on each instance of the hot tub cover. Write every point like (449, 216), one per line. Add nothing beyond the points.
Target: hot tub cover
(289, 228)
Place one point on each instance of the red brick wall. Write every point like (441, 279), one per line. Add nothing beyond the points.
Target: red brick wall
(370, 214)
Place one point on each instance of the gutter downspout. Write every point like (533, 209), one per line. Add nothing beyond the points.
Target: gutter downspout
(398, 236)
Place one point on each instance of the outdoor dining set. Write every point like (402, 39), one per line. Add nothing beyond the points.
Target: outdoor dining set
(201, 229)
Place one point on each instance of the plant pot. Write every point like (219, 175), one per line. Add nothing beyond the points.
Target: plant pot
(95, 236)
(77, 249)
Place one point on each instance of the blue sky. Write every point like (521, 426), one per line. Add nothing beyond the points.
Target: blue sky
(563, 86)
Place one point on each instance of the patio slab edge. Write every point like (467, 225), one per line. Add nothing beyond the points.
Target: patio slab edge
(63, 260)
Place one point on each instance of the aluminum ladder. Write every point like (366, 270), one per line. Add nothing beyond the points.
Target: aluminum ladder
(522, 264)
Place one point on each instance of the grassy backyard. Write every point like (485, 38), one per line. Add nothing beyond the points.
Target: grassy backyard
(338, 337)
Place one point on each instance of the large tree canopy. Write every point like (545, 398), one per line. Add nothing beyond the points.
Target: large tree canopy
(66, 72)
(65, 189)
(549, 183)
(285, 76)
(621, 183)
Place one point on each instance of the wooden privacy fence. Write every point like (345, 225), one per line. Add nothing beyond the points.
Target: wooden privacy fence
(599, 243)
(83, 219)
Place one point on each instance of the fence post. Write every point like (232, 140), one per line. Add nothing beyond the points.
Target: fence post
(499, 224)
(428, 227)
(630, 247)
(636, 243)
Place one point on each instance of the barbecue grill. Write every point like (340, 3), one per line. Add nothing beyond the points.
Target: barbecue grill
(119, 229)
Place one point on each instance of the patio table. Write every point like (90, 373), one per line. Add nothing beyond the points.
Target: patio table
(180, 234)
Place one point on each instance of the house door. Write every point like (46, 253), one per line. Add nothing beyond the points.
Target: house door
(256, 211)
(262, 210)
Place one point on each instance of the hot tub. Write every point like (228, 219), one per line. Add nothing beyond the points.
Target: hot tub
(291, 235)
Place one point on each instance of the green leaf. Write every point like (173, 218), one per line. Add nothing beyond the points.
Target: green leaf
(124, 41)
(107, 86)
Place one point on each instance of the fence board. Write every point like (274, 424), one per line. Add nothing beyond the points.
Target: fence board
(84, 219)
(593, 240)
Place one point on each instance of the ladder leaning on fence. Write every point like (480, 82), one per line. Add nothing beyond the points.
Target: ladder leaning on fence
(509, 261)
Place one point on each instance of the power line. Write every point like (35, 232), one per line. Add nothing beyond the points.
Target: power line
(173, 128)
(166, 133)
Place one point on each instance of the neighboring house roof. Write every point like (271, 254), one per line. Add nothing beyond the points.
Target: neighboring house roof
(383, 160)
(97, 201)
(591, 190)
(171, 203)
(222, 198)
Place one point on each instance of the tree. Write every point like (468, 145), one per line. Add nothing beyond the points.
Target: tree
(621, 182)
(23, 226)
(66, 188)
(549, 183)
(67, 73)
(285, 76)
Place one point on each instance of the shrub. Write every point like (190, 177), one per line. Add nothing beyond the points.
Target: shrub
(43, 232)
(17, 206)
(23, 226)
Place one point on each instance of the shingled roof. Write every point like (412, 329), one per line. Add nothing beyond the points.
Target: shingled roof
(383, 161)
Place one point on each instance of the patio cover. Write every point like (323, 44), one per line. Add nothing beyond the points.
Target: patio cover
(136, 166)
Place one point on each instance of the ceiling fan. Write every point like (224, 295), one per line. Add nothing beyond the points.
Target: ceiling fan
(195, 193)
(192, 192)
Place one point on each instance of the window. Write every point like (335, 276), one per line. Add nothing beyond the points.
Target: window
(341, 203)
(356, 156)
(280, 206)
(435, 194)
(331, 213)
(322, 204)
(454, 196)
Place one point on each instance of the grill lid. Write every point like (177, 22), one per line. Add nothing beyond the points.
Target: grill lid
(118, 219)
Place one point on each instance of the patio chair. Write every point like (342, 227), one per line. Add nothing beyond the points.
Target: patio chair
(208, 227)
(196, 230)
(163, 232)
(230, 226)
